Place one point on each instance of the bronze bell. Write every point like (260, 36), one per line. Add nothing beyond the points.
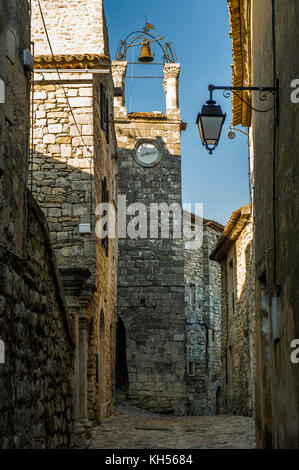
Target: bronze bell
(145, 54)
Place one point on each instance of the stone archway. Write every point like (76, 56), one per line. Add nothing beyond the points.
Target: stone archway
(217, 397)
(121, 370)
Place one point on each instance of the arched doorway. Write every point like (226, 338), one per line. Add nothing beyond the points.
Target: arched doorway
(121, 370)
(218, 401)
(102, 363)
(217, 398)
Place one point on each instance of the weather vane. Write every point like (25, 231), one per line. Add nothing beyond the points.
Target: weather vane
(148, 26)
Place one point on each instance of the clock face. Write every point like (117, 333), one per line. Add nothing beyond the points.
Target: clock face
(147, 153)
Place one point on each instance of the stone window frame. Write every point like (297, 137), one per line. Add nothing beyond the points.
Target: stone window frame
(231, 280)
(2, 351)
(105, 199)
(97, 372)
(229, 368)
(191, 371)
(212, 335)
(2, 90)
(151, 141)
(192, 306)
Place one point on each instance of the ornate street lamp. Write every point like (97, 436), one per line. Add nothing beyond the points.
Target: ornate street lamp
(210, 122)
(211, 118)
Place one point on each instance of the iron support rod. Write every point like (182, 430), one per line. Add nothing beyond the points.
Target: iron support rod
(144, 77)
(240, 88)
(150, 63)
(227, 89)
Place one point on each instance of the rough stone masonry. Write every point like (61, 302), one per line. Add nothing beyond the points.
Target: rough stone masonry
(36, 400)
(168, 347)
(151, 271)
(203, 321)
(74, 168)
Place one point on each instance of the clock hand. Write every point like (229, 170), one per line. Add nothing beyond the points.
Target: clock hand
(144, 153)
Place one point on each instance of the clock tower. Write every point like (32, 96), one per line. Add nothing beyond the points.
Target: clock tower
(150, 353)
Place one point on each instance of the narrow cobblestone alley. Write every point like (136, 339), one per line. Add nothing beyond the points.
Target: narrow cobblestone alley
(149, 243)
(132, 428)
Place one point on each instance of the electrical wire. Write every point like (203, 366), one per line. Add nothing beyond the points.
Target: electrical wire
(131, 84)
(59, 76)
(67, 100)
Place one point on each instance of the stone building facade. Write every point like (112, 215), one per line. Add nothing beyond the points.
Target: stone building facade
(235, 252)
(36, 389)
(73, 170)
(15, 38)
(166, 361)
(151, 318)
(266, 54)
(203, 320)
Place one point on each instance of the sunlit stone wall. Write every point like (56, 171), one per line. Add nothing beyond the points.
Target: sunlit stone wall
(75, 27)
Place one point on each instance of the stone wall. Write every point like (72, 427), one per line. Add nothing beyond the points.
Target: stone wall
(63, 167)
(106, 166)
(276, 199)
(151, 270)
(235, 252)
(203, 322)
(267, 49)
(14, 38)
(36, 406)
(73, 156)
(75, 27)
(64, 184)
(36, 400)
(68, 191)
(151, 278)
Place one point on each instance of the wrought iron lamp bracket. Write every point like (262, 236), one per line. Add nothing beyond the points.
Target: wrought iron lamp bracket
(263, 95)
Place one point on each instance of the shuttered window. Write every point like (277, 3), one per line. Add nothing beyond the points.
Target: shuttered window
(104, 111)
(105, 199)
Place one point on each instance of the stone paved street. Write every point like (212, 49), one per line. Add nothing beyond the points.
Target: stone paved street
(131, 428)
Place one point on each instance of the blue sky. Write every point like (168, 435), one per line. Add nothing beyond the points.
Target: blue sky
(199, 32)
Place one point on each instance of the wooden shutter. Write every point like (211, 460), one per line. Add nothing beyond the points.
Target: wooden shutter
(104, 111)
(107, 119)
(105, 199)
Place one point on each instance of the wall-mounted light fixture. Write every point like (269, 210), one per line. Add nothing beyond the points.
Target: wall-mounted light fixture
(210, 122)
(211, 118)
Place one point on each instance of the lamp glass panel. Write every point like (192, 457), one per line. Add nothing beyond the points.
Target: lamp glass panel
(211, 128)
(200, 130)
